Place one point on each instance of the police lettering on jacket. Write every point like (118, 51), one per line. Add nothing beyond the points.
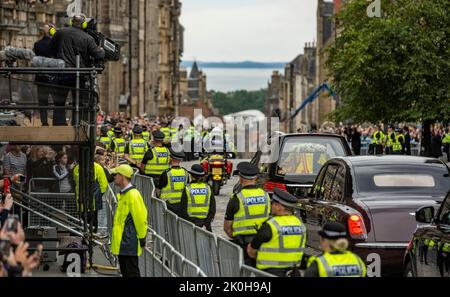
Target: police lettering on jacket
(345, 270)
(178, 179)
(199, 191)
(162, 155)
(292, 230)
(255, 200)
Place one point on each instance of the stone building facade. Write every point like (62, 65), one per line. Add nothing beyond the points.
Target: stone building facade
(146, 79)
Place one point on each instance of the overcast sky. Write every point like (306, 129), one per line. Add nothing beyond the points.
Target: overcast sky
(237, 30)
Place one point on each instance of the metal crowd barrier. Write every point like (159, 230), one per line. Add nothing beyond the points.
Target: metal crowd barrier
(161, 259)
(177, 243)
(62, 205)
(415, 149)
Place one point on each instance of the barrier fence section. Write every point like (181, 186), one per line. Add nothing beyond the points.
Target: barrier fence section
(179, 248)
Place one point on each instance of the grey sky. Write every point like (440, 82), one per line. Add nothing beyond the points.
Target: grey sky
(237, 30)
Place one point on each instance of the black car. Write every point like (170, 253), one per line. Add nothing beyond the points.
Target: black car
(294, 160)
(376, 198)
(428, 253)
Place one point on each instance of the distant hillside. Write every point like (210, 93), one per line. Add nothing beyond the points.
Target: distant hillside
(244, 64)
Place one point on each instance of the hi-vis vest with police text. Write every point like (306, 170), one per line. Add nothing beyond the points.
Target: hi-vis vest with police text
(177, 179)
(167, 133)
(198, 200)
(286, 247)
(120, 145)
(339, 265)
(397, 145)
(159, 163)
(106, 141)
(137, 149)
(254, 209)
(446, 138)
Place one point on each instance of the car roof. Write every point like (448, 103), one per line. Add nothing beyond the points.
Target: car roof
(327, 135)
(389, 159)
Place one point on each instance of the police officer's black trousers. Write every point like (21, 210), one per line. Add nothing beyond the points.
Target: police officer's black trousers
(129, 266)
(447, 151)
(243, 242)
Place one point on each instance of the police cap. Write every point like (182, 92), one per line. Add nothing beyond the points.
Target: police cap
(333, 230)
(284, 198)
(158, 135)
(118, 130)
(197, 170)
(104, 130)
(137, 129)
(247, 170)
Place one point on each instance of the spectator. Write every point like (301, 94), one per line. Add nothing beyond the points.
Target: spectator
(18, 262)
(355, 136)
(64, 174)
(15, 162)
(39, 167)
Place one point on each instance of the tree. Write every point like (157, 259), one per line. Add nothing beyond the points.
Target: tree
(236, 101)
(395, 68)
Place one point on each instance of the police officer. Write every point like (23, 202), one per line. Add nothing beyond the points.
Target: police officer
(335, 260)
(378, 139)
(446, 143)
(247, 209)
(136, 149)
(118, 143)
(156, 160)
(390, 140)
(173, 181)
(165, 128)
(104, 138)
(129, 229)
(398, 146)
(100, 185)
(145, 134)
(279, 244)
(198, 204)
(110, 130)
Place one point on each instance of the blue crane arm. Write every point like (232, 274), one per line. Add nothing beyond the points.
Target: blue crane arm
(313, 96)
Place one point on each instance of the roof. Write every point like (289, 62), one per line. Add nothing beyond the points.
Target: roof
(390, 159)
(195, 72)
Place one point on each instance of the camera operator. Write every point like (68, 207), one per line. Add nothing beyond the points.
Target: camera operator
(43, 81)
(66, 45)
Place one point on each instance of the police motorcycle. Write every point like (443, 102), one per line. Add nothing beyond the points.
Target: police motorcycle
(216, 164)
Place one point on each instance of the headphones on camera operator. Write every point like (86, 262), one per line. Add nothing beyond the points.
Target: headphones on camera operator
(81, 19)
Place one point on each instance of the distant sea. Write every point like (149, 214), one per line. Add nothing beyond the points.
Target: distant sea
(233, 79)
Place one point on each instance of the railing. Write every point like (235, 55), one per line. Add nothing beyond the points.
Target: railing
(415, 149)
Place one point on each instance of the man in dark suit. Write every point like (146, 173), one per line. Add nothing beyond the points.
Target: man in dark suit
(407, 148)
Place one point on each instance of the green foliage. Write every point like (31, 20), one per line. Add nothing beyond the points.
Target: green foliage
(394, 68)
(232, 102)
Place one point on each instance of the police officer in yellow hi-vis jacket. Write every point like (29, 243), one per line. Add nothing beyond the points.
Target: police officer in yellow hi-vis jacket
(173, 181)
(335, 261)
(198, 204)
(129, 229)
(247, 209)
(136, 148)
(99, 188)
(280, 242)
(156, 159)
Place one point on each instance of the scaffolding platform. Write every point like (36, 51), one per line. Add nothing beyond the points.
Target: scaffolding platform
(42, 135)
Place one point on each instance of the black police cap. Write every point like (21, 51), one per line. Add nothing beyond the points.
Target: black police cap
(284, 198)
(333, 230)
(247, 170)
(176, 152)
(137, 129)
(158, 135)
(118, 130)
(197, 170)
(104, 130)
